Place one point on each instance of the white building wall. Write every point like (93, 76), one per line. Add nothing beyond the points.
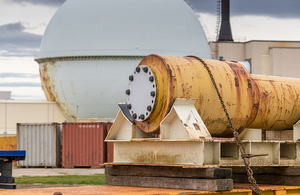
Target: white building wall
(13, 112)
(286, 62)
(264, 58)
(259, 48)
(229, 51)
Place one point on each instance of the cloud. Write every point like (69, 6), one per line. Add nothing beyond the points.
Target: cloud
(18, 75)
(271, 8)
(14, 41)
(54, 3)
(20, 84)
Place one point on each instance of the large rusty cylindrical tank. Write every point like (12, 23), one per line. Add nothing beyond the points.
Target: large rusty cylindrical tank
(253, 101)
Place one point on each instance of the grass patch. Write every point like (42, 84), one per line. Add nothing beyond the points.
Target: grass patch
(97, 179)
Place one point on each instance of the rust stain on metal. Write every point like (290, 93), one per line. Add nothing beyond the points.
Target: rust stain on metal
(196, 126)
(278, 98)
(49, 87)
(159, 158)
(236, 82)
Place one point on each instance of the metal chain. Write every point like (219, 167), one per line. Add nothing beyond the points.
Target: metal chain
(239, 143)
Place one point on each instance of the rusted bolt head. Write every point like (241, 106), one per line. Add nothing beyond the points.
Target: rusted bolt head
(128, 106)
(127, 92)
(138, 69)
(152, 93)
(142, 116)
(131, 77)
(145, 69)
(149, 108)
(151, 79)
(134, 116)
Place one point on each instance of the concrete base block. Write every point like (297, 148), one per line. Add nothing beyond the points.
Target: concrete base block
(269, 175)
(210, 179)
(168, 171)
(172, 183)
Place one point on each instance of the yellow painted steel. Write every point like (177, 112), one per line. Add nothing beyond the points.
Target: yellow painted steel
(251, 100)
(8, 143)
(186, 77)
(277, 102)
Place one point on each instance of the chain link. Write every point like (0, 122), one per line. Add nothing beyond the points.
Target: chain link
(239, 142)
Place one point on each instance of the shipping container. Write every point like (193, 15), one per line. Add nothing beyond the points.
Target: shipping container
(42, 142)
(110, 146)
(83, 144)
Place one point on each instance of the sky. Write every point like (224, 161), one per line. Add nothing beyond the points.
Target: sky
(23, 22)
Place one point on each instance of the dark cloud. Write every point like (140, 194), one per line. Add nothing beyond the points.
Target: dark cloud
(54, 3)
(18, 75)
(19, 84)
(271, 8)
(14, 41)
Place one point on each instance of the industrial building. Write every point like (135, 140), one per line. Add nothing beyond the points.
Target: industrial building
(278, 58)
(267, 57)
(18, 111)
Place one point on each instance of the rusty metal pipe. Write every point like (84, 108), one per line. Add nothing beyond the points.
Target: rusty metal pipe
(253, 101)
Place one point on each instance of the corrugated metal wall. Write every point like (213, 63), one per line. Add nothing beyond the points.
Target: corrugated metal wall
(110, 146)
(83, 144)
(41, 142)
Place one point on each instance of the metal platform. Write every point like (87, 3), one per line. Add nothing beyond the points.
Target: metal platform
(12, 154)
(185, 140)
(6, 158)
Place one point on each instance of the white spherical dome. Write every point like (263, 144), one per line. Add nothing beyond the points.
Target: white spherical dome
(90, 47)
(124, 27)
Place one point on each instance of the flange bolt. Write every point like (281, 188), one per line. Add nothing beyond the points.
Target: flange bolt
(134, 116)
(127, 92)
(152, 93)
(138, 69)
(131, 77)
(128, 106)
(149, 108)
(151, 79)
(142, 116)
(145, 69)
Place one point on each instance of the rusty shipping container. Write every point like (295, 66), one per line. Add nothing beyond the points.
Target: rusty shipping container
(42, 142)
(110, 146)
(83, 144)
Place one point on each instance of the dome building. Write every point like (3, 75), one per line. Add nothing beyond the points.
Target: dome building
(90, 48)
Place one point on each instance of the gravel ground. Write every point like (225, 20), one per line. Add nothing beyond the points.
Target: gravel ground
(29, 186)
(23, 172)
(94, 190)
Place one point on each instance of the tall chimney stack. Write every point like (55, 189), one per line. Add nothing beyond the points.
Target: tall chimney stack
(225, 31)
